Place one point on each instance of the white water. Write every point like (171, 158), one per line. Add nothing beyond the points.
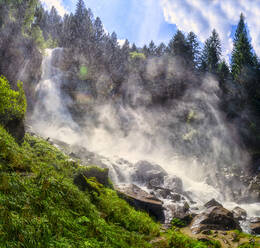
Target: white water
(51, 118)
(50, 115)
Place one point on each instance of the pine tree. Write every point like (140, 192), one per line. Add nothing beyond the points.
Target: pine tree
(178, 45)
(193, 49)
(98, 30)
(242, 55)
(151, 49)
(160, 50)
(125, 50)
(223, 73)
(145, 50)
(133, 48)
(80, 7)
(211, 53)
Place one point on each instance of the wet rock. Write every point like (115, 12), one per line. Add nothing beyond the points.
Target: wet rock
(214, 218)
(206, 232)
(176, 197)
(255, 225)
(239, 213)
(252, 193)
(141, 200)
(179, 211)
(212, 203)
(174, 184)
(146, 171)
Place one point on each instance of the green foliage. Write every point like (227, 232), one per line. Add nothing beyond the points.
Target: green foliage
(211, 53)
(179, 240)
(38, 38)
(242, 55)
(137, 56)
(12, 103)
(249, 245)
(177, 222)
(50, 43)
(52, 212)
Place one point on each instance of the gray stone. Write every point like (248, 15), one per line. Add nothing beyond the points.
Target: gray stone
(214, 218)
(141, 200)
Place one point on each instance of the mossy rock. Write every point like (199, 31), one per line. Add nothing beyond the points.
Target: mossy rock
(101, 176)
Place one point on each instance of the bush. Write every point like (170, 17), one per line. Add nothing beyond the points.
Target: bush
(137, 56)
(12, 103)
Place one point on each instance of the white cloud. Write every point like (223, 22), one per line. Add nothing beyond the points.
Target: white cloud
(57, 4)
(201, 16)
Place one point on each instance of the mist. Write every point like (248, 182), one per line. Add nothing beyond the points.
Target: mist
(188, 137)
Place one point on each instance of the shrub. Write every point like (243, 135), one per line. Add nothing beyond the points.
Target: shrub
(12, 103)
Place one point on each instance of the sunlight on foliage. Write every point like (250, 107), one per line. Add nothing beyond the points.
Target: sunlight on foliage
(12, 103)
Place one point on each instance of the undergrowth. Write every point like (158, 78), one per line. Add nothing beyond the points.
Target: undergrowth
(41, 207)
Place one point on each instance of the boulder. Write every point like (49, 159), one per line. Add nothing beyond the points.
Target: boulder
(214, 218)
(174, 184)
(141, 200)
(146, 171)
(179, 211)
(212, 203)
(255, 225)
(239, 213)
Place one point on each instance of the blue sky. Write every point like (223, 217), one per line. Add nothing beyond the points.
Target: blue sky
(138, 21)
(141, 21)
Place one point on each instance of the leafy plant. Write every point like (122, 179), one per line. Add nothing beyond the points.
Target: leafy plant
(12, 103)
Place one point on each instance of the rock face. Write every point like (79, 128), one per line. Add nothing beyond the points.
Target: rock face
(146, 172)
(212, 203)
(214, 218)
(255, 225)
(141, 200)
(239, 213)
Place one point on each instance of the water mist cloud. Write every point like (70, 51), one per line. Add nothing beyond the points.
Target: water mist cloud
(58, 4)
(202, 16)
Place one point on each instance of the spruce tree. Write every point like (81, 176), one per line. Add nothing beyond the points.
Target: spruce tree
(211, 53)
(242, 55)
(193, 49)
(151, 48)
(160, 50)
(178, 45)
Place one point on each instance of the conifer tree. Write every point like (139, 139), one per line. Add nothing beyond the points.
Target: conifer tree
(242, 55)
(151, 49)
(211, 53)
(178, 45)
(160, 50)
(193, 49)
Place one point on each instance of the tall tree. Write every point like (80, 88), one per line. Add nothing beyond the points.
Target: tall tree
(151, 48)
(160, 50)
(98, 30)
(193, 49)
(178, 45)
(211, 53)
(242, 55)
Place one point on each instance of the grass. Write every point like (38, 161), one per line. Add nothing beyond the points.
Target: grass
(41, 207)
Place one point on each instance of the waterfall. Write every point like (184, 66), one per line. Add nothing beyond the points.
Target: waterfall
(159, 136)
(51, 117)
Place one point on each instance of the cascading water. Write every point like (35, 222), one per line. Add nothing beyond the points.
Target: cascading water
(50, 115)
(156, 136)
